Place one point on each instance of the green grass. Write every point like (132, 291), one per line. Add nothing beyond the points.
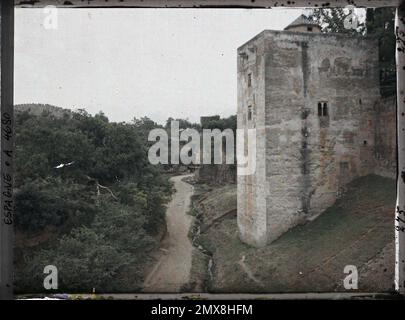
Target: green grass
(311, 257)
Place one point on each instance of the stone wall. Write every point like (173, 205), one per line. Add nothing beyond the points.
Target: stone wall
(252, 218)
(216, 174)
(385, 148)
(320, 123)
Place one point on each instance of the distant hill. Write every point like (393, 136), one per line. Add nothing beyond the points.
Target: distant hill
(39, 109)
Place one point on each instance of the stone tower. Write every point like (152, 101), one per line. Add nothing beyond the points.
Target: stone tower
(311, 98)
(303, 24)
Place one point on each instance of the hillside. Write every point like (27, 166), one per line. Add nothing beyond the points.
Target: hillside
(358, 230)
(38, 109)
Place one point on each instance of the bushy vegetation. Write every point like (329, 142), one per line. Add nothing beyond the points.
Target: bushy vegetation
(221, 123)
(84, 186)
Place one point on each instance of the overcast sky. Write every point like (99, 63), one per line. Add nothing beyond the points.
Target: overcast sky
(131, 63)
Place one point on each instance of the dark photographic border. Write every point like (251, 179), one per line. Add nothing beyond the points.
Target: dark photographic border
(7, 130)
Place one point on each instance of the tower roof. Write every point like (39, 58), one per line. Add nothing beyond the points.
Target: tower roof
(302, 20)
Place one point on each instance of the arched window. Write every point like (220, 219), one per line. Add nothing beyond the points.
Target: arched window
(323, 109)
(319, 109)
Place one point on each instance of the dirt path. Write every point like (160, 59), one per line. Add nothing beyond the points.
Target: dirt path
(172, 269)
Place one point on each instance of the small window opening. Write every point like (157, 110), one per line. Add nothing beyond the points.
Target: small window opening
(325, 109)
(249, 80)
(365, 142)
(322, 109)
(309, 29)
(360, 101)
(249, 112)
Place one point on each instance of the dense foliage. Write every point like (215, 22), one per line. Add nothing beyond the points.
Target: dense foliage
(85, 189)
(333, 20)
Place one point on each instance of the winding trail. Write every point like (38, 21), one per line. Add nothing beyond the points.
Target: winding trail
(172, 270)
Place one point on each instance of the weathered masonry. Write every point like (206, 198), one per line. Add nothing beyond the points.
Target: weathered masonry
(6, 66)
(320, 122)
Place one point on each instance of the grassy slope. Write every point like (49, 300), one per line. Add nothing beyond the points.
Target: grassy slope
(358, 230)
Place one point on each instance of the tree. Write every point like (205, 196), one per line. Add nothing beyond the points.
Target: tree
(53, 202)
(84, 259)
(86, 184)
(333, 20)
